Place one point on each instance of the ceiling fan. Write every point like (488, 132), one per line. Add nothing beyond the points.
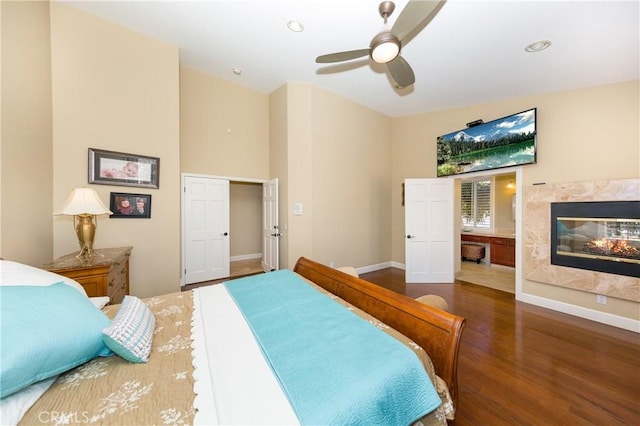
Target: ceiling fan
(386, 45)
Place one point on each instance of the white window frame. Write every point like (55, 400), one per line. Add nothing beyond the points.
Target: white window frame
(473, 226)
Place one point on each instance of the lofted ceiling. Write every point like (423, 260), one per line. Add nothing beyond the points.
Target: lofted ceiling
(472, 52)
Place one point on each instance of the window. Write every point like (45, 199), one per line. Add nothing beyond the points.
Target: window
(476, 204)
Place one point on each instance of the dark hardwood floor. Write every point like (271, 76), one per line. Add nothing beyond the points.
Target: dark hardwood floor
(524, 365)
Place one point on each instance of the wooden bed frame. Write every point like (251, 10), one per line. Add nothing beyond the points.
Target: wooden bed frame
(436, 331)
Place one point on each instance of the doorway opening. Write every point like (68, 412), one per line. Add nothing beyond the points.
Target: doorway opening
(245, 221)
(229, 228)
(496, 214)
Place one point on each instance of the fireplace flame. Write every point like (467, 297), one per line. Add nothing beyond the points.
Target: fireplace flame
(619, 248)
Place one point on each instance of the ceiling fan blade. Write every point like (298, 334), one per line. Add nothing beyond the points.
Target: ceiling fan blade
(413, 14)
(401, 72)
(342, 56)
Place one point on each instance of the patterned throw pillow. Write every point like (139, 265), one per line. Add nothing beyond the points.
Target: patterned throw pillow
(131, 333)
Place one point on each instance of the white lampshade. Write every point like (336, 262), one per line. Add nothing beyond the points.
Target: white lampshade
(84, 201)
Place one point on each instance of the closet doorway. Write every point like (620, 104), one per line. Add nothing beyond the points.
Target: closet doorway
(229, 227)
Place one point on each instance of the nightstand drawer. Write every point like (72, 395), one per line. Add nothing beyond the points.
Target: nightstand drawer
(95, 286)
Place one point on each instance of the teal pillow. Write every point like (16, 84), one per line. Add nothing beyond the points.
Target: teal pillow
(45, 331)
(130, 334)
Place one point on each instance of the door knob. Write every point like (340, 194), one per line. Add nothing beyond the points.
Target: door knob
(410, 236)
(225, 234)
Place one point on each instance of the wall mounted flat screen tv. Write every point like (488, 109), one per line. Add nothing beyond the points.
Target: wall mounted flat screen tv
(505, 142)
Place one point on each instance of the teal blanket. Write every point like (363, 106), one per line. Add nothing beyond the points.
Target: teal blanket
(334, 367)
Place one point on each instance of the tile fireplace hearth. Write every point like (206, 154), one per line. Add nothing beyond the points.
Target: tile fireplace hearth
(538, 239)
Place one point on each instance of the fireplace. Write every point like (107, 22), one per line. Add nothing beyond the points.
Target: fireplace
(597, 236)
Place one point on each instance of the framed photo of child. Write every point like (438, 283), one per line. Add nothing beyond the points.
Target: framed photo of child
(131, 206)
(122, 169)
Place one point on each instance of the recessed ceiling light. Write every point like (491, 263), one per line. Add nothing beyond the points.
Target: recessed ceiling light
(236, 71)
(295, 26)
(537, 46)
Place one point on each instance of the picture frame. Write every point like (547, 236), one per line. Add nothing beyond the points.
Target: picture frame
(130, 206)
(122, 169)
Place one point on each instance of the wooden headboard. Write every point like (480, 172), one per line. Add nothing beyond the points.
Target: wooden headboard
(436, 331)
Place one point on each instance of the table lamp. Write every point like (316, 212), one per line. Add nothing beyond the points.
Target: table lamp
(84, 205)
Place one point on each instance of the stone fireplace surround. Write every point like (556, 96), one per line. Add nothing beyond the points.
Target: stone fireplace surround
(537, 233)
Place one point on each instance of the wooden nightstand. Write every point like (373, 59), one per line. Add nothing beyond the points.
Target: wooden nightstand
(105, 274)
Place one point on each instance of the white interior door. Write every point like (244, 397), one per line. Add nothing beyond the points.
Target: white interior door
(206, 209)
(270, 226)
(429, 230)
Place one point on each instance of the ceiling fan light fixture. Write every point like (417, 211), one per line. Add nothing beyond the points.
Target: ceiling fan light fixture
(384, 47)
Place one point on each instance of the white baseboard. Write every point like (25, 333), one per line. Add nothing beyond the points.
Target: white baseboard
(378, 266)
(579, 311)
(245, 257)
(371, 268)
(398, 265)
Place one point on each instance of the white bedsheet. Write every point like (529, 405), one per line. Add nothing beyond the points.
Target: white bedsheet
(233, 382)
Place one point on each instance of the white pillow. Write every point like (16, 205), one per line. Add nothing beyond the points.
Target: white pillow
(14, 273)
(100, 301)
(13, 407)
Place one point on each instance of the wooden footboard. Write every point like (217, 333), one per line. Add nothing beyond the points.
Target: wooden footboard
(436, 331)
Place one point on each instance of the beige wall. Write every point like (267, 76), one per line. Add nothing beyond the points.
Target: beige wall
(504, 220)
(299, 189)
(224, 127)
(26, 188)
(245, 217)
(117, 90)
(351, 172)
(587, 134)
(332, 156)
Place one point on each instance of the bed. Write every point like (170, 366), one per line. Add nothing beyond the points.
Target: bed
(187, 368)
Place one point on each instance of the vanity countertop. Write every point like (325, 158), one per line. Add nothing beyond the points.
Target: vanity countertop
(498, 233)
